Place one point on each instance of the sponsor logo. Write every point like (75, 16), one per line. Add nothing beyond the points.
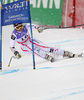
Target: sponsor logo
(17, 5)
(45, 3)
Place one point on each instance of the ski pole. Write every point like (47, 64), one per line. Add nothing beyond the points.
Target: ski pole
(62, 27)
(10, 60)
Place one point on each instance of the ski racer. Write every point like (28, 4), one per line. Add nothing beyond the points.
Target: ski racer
(21, 35)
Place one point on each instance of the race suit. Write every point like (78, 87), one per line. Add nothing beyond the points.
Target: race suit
(24, 39)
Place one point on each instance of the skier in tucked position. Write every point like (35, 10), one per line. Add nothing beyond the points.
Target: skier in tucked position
(21, 35)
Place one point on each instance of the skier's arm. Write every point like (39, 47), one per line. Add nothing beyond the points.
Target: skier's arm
(12, 47)
(38, 28)
(28, 26)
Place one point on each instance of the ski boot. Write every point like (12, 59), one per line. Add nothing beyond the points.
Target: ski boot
(71, 55)
(68, 54)
(49, 58)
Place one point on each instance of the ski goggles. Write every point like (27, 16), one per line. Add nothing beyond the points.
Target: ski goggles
(18, 27)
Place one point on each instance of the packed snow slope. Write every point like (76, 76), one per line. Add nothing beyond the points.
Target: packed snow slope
(60, 80)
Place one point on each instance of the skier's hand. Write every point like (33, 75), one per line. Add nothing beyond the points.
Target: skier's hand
(40, 29)
(17, 55)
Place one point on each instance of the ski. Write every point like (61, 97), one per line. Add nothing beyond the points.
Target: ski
(75, 56)
(79, 55)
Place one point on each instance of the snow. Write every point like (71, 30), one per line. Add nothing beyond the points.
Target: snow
(61, 80)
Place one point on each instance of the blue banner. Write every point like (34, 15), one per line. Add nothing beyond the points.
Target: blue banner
(16, 12)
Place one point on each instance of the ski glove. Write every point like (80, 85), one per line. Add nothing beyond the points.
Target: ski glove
(40, 29)
(17, 55)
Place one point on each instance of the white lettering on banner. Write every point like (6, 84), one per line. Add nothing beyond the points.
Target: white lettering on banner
(45, 3)
(14, 16)
(17, 5)
(33, 2)
(38, 3)
(9, 20)
(57, 4)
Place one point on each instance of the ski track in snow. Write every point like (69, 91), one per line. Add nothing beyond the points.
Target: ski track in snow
(27, 69)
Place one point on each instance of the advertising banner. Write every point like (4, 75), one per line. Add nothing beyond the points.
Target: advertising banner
(46, 12)
(16, 12)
